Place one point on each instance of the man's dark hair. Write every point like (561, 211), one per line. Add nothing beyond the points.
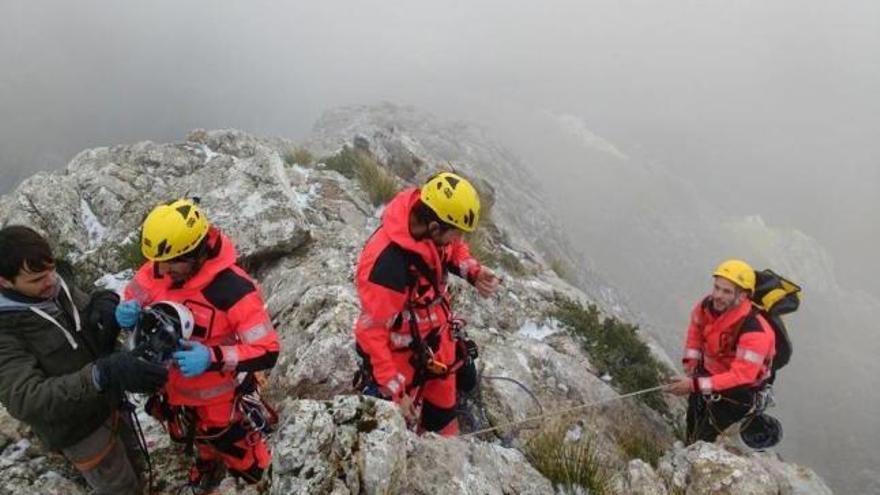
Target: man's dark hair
(22, 246)
(426, 215)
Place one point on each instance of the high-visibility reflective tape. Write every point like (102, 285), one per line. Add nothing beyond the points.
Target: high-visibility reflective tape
(400, 340)
(750, 356)
(208, 393)
(230, 357)
(705, 384)
(692, 354)
(255, 333)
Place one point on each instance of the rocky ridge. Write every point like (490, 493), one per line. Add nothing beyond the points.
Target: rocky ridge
(299, 228)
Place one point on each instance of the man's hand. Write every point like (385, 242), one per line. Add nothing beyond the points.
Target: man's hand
(101, 323)
(408, 409)
(128, 313)
(123, 371)
(681, 385)
(194, 359)
(486, 282)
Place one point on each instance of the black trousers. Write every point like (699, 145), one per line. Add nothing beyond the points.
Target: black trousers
(707, 418)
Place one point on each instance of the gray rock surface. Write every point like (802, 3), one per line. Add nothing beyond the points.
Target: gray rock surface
(347, 445)
(639, 478)
(704, 468)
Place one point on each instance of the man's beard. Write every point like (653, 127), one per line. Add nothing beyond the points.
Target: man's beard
(177, 281)
(720, 309)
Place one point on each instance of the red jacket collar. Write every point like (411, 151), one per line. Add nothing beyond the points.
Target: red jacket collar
(395, 222)
(729, 317)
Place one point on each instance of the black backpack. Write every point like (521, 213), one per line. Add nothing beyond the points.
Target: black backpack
(775, 296)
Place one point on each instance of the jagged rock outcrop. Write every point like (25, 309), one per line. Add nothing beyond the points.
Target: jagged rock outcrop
(705, 468)
(360, 445)
(299, 230)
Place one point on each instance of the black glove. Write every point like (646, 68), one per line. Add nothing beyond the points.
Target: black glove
(101, 326)
(124, 371)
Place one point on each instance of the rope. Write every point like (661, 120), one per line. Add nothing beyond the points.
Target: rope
(518, 383)
(567, 410)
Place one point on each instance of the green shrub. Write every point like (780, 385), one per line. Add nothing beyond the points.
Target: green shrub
(481, 247)
(297, 155)
(637, 443)
(379, 185)
(511, 263)
(558, 266)
(568, 464)
(615, 348)
(376, 181)
(346, 162)
(486, 249)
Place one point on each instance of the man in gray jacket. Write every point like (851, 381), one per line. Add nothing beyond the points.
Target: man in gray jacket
(58, 370)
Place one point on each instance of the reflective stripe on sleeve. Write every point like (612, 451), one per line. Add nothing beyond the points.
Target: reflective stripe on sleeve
(255, 333)
(750, 356)
(400, 340)
(230, 357)
(692, 354)
(395, 385)
(465, 266)
(705, 383)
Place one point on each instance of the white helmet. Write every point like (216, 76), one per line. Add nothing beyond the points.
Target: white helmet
(175, 314)
(160, 328)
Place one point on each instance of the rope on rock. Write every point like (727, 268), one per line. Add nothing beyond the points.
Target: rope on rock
(561, 412)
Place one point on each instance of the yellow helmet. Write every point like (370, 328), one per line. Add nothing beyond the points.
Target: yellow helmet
(173, 229)
(737, 271)
(453, 199)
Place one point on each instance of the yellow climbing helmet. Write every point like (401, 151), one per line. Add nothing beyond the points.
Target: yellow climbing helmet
(173, 229)
(737, 271)
(453, 199)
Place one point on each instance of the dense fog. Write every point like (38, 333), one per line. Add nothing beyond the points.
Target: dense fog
(667, 135)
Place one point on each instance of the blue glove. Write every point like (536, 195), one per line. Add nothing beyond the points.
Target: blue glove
(194, 359)
(127, 313)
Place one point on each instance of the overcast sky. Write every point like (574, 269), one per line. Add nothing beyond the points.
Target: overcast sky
(772, 105)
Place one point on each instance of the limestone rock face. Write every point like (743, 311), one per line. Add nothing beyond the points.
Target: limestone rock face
(640, 478)
(356, 445)
(92, 211)
(347, 445)
(704, 468)
(450, 466)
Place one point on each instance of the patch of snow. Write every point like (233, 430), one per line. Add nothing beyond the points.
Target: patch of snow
(115, 281)
(509, 250)
(300, 200)
(97, 232)
(373, 221)
(522, 359)
(254, 204)
(209, 154)
(16, 451)
(533, 330)
(537, 285)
